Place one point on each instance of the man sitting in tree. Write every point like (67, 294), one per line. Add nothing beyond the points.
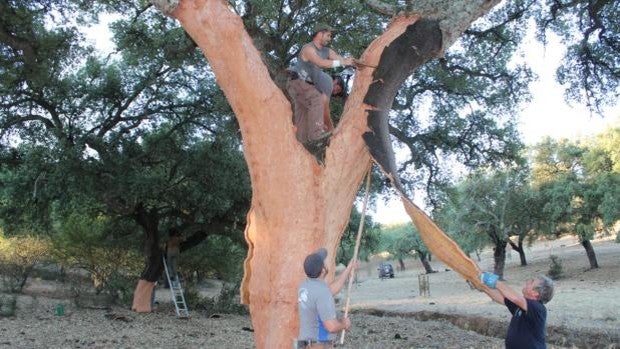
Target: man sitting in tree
(310, 87)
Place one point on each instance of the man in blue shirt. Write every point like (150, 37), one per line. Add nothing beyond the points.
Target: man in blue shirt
(529, 315)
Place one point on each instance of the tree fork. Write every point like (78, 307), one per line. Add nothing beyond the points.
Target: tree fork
(298, 205)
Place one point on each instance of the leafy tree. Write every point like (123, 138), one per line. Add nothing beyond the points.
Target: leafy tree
(369, 242)
(100, 246)
(139, 136)
(403, 240)
(219, 257)
(579, 188)
(603, 161)
(590, 32)
(451, 217)
(498, 204)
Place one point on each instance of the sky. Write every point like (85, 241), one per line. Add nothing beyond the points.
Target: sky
(548, 114)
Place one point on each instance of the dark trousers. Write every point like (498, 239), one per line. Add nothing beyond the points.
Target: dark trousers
(307, 110)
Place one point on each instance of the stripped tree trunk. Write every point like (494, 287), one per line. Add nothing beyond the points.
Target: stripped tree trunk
(297, 204)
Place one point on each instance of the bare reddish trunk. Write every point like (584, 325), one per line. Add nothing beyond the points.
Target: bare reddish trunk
(297, 205)
(153, 264)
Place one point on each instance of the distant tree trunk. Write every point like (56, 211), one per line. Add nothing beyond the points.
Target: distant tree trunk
(153, 264)
(297, 204)
(590, 252)
(401, 263)
(519, 249)
(499, 258)
(425, 262)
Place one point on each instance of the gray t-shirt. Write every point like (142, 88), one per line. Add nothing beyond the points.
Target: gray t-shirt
(310, 72)
(316, 304)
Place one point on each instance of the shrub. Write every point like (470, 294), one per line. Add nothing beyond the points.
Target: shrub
(226, 303)
(100, 259)
(8, 305)
(218, 257)
(192, 296)
(555, 270)
(18, 257)
(89, 244)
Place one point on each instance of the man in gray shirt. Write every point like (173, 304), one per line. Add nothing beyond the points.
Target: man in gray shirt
(310, 87)
(317, 310)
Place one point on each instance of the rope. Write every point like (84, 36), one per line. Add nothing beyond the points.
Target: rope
(357, 247)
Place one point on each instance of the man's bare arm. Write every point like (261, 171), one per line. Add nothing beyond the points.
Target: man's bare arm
(511, 294)
(336, 325)
(336, 285)
(309, 54)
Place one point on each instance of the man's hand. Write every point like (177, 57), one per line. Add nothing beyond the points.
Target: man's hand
(489, 279)
(361, 64)
(348, 61)
(350, 268)
(352, 264)
(346, 323)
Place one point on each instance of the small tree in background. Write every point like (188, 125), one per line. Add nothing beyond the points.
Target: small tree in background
(580, 184)
(555, 270)
(217, 257)
(96, 245)
(369, 242)
(403, 240)
(19, 256)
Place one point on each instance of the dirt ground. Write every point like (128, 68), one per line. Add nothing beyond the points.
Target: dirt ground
(388, 313)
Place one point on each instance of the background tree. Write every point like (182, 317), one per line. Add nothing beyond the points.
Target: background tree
(102, 247)
(579, 187)
(494, 203)
(369, 242)
(590, 32)
(450, 215)
(402, 241)
(134, 136)
(19, 255)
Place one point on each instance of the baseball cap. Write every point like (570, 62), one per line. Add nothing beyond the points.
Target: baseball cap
(322, 27)
(313, 264)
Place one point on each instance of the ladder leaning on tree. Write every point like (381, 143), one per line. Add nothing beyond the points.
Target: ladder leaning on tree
(176, 292)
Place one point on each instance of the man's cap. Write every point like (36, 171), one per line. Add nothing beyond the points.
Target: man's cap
(322, 27)
(313, 265)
